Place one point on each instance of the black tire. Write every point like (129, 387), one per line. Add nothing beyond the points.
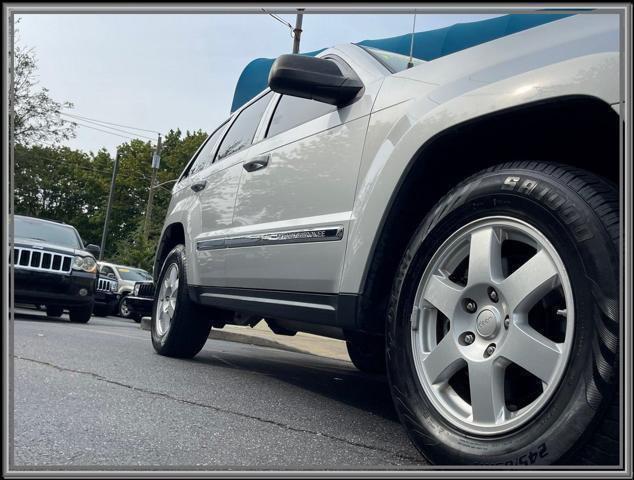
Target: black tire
(578, 212)
(367, 353)
(80, 314)
(101, 310)
(123, 310)
(190, 325)
(54, 311)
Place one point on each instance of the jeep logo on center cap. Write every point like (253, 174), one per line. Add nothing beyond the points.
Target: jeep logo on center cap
(486, 323)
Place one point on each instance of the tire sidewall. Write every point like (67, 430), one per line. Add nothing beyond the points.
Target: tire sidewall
(123, 301)
(176, 256)
(569, 224)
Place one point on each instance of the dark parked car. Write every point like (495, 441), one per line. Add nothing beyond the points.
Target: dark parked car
(141, 299)
(106, 297)
(53, 267)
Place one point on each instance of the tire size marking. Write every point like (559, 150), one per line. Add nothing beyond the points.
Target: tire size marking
(528, 458)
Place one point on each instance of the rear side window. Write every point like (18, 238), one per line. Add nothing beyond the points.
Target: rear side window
(206, 154)
(293, 111)
(241, 133)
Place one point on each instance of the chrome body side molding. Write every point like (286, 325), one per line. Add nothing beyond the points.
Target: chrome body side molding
(319, 234)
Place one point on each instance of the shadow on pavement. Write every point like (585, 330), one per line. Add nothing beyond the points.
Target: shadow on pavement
(33, 317)
(335, 379)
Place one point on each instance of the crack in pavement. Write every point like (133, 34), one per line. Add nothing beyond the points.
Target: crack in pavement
(101, 378)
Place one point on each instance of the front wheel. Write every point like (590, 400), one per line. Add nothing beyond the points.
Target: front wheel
(179, 326)
(80, 314)
(54, 311)
(124, 309)
(503, 322)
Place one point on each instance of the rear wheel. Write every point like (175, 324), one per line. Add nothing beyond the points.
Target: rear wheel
(54, 311)
(80, 314)
(101, 310)
(179, 327)
(503, 323)
(367, 353)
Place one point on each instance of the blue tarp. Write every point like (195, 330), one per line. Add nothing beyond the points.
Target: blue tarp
(428, 46)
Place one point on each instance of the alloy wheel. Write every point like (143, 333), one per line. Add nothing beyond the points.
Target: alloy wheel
(492, 325)
(167, 298)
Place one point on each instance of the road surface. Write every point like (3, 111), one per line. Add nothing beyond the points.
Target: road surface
(97, 395)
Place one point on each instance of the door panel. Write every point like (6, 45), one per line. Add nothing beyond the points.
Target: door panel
(217, 200)
(308, 183)
(216, 185)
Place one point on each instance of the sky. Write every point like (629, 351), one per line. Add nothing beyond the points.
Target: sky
(168, 71)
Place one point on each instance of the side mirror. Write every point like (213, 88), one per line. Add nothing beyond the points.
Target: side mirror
(93, 249)
(313, 78)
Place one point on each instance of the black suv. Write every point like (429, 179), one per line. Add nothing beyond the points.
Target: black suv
(53, 267)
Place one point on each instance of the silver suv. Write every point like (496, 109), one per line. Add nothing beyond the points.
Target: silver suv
(455, 222)
(126, 277)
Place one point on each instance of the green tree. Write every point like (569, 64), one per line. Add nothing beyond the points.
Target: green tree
(37, 119)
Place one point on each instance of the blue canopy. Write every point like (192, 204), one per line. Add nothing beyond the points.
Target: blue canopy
(428, 46)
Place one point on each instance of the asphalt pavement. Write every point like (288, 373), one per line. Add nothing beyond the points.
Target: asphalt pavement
(97, 396)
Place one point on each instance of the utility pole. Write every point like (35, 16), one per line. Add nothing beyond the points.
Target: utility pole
(156, 160)
(297, 31)
(109, 208)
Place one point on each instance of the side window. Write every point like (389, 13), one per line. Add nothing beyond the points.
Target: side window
(206, 154)
(241, 133)
(293, 111)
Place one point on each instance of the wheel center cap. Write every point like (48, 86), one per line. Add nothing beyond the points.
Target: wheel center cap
(487, 323)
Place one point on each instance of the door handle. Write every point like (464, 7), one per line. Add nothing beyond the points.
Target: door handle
(198, 186)
(257, 163)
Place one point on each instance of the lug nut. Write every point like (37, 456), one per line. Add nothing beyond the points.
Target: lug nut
(469, 338)
(507, 322)
(470, 306)
(493, 295)
(490, 350)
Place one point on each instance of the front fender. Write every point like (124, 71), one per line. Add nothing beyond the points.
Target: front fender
(398, 133)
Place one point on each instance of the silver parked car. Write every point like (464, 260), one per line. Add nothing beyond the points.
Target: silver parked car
(456, 223)
(126, 277)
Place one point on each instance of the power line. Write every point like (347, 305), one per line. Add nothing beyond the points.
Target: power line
(109, 123)
(61, 160)
(127, 172)
(105, 126)
(101, 130)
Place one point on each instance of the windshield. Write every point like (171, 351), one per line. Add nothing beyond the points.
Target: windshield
(394, 62)
(43, 231)
(134, 274)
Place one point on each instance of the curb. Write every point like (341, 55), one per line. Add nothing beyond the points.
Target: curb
(218, 334)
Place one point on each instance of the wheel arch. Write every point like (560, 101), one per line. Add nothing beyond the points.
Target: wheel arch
(570, 129)
(173, 234)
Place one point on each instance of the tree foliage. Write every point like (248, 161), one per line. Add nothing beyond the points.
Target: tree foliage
(37, 119)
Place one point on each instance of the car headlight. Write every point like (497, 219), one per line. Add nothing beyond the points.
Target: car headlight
(87, 264)
(136, 289)
(114, 287)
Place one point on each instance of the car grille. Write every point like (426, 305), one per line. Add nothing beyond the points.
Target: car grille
(105, 285)
(146, 290)
(31, 259)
